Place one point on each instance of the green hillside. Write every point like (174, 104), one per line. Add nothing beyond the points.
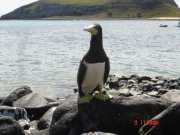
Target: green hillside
(75, 2)
(96, 9)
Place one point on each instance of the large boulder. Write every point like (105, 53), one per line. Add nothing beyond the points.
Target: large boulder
(16, 94)
(115, 116)
(32, 100)
(9, 126)
(119, 115)
(35, 104)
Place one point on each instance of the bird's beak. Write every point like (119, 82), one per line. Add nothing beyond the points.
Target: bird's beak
(91, 29)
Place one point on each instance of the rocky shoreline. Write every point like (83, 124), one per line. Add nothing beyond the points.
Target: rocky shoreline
(136, 100)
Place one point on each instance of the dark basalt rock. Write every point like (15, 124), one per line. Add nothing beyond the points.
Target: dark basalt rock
(143, 84)
(9, 126)
(144, 78)
(169, 124)
(16, 94)
(65, 119)
(46, 119)
(115, 116)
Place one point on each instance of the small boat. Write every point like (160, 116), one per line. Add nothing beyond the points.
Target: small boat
(163, 25)
(178, 24)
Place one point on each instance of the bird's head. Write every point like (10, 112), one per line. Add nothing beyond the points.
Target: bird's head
(94, 29)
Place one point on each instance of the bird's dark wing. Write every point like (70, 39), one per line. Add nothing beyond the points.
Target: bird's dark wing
(80, 76)
(107, 69)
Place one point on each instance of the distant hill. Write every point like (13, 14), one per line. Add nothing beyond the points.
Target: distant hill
(96, 9)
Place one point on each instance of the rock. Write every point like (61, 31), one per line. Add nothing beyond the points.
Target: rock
(118, 115)
(16, 94)
(172, 96)
(169, 125)
(144, 78)
(35, 104)
(9, 126)
(154, 94)
(42, 132)
(114, 116)
(2, 99)
(162, 91)
(147, 87)
(134, 77)
(65, 119)
(33, 127)
(32, 100)
(14, 112)
(46, 120)
(97, 133)
(42, 124)
(113, 82)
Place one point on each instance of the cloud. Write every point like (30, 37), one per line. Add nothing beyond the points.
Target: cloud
(178, 2)
(9, 5)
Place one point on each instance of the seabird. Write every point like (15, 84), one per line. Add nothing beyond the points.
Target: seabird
(95, 66)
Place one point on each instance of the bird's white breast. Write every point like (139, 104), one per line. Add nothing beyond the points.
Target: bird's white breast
(93, 77)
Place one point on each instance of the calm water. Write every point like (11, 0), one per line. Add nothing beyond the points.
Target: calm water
(45, 54)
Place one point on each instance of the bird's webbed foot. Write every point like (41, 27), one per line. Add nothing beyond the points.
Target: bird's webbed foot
(85, 99)
(102, 95)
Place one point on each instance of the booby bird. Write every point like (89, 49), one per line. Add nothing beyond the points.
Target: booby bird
(95, 66)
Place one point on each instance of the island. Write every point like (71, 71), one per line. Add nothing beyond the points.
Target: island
(96, 9)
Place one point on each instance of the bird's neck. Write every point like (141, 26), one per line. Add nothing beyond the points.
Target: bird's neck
(96, 51)
(96, 44)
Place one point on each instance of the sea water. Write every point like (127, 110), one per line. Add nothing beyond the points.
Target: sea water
(45, 54)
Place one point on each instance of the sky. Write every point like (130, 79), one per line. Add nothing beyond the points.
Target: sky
(9, 5)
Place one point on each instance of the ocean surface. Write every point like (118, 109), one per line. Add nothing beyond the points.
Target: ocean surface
(45, 55)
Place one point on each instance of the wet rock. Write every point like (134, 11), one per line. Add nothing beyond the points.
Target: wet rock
(9, 126)
(16, 94)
